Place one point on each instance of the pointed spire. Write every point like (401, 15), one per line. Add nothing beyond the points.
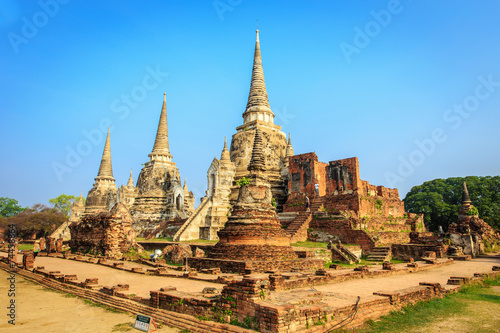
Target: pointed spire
(185, 185)
(289, 148)
(80, 201)
(105, 169)
(258, 160)
(465, 195)
(225, 152)
(257, 98)
(130, 180)
(161, 142)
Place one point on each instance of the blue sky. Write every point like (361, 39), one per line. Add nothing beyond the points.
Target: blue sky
(412, 88)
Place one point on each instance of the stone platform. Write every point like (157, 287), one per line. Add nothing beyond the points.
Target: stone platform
(255, 266)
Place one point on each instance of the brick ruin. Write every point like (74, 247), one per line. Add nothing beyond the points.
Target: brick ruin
(344, 207)
(469, 233)
(253, 238)
(106, 233)
(465, 239)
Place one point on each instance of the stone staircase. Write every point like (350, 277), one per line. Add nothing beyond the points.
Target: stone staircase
(62, 232)
(298, 228)
(381, 253)
(190, 228)
(343, 254)
(317, 204)
(350, 255)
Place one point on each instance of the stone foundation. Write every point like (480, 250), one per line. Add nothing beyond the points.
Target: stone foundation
(240, 266)
(416, 251)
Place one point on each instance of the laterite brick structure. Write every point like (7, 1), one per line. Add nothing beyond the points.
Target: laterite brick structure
(343, 206)
(106, 233)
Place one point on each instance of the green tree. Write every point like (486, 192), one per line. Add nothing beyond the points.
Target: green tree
(440, 200)
(37, 221)
(63, 203)
(9, 207)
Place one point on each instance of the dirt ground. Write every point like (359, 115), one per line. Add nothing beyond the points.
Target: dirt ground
(140, 284)
(41, 310)
(346, 293)
(52, 312)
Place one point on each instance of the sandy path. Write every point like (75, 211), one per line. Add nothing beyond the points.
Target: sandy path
(140, 284)
(346, 293)
(43, 311)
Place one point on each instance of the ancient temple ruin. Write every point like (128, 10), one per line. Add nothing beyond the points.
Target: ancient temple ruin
(224, 174)
(468, 234)
(343, 206)
(158, 196)
(102, 196)
(252, 239)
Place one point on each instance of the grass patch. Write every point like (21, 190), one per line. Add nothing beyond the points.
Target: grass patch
(363, 262)
(102, 306)
(200, 241)
(450, 307)
(160, 239)
(312, 245)
(25, 246)
(170, 239)
(397, 261)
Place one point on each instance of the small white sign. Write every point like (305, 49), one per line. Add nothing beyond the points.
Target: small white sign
(145, 323)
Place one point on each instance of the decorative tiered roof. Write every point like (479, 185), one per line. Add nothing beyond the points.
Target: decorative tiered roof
(258, 103)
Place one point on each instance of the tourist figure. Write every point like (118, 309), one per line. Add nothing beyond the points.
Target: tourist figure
(317, 189)
(307, 204)
(36, 249)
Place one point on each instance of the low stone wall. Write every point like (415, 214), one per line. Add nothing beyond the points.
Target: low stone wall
(238, 266)
(416, 251)
(280, 282)
(176, 302)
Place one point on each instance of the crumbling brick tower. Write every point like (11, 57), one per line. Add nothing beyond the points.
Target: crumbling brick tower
(253, 231)
(108, 233)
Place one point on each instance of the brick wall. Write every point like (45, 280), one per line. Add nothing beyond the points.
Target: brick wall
(305, 171)
(343, 230)
(342, 176)
(416, 251)
(106, 233)
(239, 266)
